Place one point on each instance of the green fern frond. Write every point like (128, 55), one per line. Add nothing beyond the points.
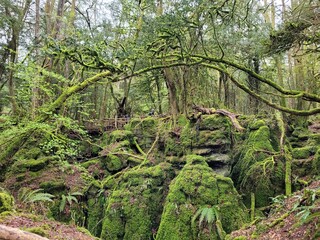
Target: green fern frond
(27, 195)
(62, 203)
(41, 197)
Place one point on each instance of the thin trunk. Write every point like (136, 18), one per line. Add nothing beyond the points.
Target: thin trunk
(172, 93)
(58, 24)
(158, 84)
(35, 88)
(159, 7)
(254, 85)
(103, 106)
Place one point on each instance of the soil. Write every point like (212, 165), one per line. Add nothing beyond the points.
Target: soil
(291, 227)
(53, 230)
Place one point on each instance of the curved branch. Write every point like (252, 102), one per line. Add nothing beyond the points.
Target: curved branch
(56, 105)
(304, 95)
(262, 99)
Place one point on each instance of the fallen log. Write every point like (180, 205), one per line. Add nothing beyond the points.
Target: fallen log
(232, 116)
(10, 233)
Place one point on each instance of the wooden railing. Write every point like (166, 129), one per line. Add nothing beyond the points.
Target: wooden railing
(108, 124)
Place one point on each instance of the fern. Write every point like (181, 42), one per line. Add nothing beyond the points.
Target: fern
(70, 198)
(211, 217)
(27, 195)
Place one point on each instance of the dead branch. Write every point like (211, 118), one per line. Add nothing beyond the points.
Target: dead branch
(232, 116)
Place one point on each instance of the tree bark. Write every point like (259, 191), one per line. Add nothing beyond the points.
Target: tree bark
(232, 116)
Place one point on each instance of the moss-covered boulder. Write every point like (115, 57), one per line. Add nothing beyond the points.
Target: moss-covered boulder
(33, 165)
(145, 130)
(134, 203)
(197, 188)
(6, 201)
(95, 208)
(119, 136)
(256, 169)
(114, 163)
(214, 122)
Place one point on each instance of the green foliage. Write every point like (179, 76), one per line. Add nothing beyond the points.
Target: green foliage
(29, 196)
(41, 230)
(6, 201)
(68, 199)
(209, 216)
(307, 210)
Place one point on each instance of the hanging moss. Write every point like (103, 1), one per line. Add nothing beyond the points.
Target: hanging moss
(134, 204)
(195, 187)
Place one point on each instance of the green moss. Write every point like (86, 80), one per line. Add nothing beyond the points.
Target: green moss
(144, 130)
(42, 230)
(121, 135)
(95, 214)
(32, 153)
(32, 164)
(173, 147)
(316, 163)
(257, 124)
(188, 137)
(87, 164)
(301, 153)
(6, 202)
(197, 186)
(260, 139)
(53, 186)
(113, 163)
(214, 122)
(144, 126)
(214, 139)
(133, 208)
(254, 170)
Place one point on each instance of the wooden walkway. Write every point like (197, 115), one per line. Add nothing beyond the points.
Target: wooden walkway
(108, 124)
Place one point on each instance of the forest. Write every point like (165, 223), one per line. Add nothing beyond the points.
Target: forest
(159, 119)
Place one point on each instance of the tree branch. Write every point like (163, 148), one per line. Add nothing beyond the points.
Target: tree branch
(262, 99)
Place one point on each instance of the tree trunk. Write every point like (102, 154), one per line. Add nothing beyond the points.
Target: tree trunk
(172, 92)
(254, 85)
(35, 89)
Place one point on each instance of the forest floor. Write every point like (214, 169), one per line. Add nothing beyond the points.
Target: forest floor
(45, 227)
(294, 218)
